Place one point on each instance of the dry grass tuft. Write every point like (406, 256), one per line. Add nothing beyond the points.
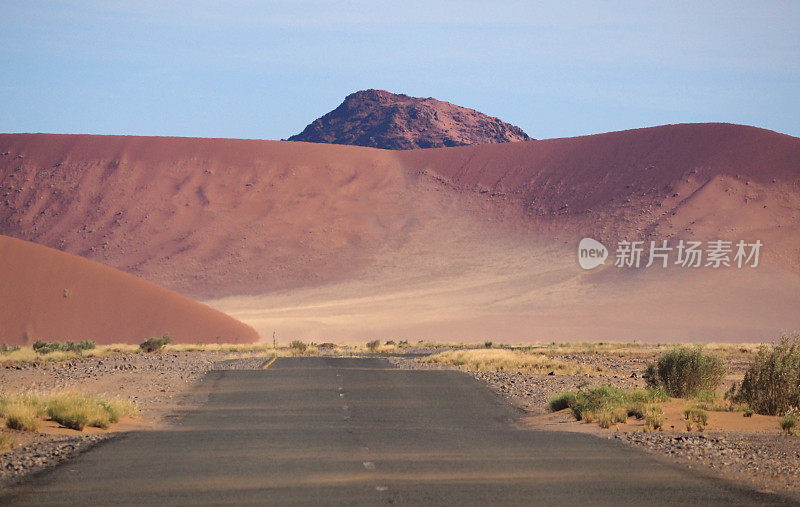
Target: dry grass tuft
(71, 410)
(508, 360)
(653, 419)
(29, 355)
(6, 442)
(20, 416)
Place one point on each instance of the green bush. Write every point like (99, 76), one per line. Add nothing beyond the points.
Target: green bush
(487, 345)
(562, 401)
(608, 398)
(686, 371)
(7, 349)
(636, 410)
(771, 385)
(43, 347)
(155, 344)
(789, 423)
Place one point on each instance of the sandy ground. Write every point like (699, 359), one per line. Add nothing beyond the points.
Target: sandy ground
(491, 287)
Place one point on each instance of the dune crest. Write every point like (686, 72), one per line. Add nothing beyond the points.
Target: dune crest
(55, 296)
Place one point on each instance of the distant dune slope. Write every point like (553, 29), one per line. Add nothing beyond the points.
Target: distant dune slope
(705, 181)
(472, 229)
(215, 217)
(51, 295)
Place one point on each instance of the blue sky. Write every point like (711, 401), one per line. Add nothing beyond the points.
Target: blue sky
(266, 69)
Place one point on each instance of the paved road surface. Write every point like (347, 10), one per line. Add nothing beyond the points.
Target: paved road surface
(355, 431)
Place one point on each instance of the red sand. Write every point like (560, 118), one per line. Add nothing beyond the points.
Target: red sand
(56, 296)
(343, 242)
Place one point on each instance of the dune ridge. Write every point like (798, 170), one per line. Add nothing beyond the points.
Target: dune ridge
(55, 296)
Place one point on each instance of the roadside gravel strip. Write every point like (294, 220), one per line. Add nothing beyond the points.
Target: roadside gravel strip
(159, 384)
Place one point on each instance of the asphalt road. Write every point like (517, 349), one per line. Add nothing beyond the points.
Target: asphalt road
(355, 431)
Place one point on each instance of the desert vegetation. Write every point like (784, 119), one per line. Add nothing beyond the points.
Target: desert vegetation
(69, 409)
(686, 371)
(609, 405)
(789, 422)
(508, 360)
(155, 344)
(695, 418)
(771, 385)
(43, 347)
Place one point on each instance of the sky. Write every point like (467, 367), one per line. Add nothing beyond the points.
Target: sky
(264, 70)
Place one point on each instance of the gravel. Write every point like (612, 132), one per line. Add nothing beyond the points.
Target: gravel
(129, 376)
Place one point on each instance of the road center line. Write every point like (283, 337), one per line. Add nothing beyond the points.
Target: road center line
(270, 362)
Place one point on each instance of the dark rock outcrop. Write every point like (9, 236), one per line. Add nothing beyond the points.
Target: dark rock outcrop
(381, 119)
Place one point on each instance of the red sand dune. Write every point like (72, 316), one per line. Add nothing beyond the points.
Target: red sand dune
(421, 243)
(52, 295)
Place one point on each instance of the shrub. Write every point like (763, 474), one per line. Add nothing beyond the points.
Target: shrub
(686, 371)
(636, 410)
(789, 422)
(21, 416)
(653, 419)
(43, 347)
(7, 349)
(298, 346)
(748, 412)
(86, 345)
(487, 345)
(599, 399)
(373, 345)
(390, 342)
(562, 401)
(771, 384)
(71, 410)
(695, 417)
(117, 408)
(155, 344)
(76, 411)
(609, 417)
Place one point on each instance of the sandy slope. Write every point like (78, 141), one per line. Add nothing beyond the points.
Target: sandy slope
(343, 242)
(52, 295)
